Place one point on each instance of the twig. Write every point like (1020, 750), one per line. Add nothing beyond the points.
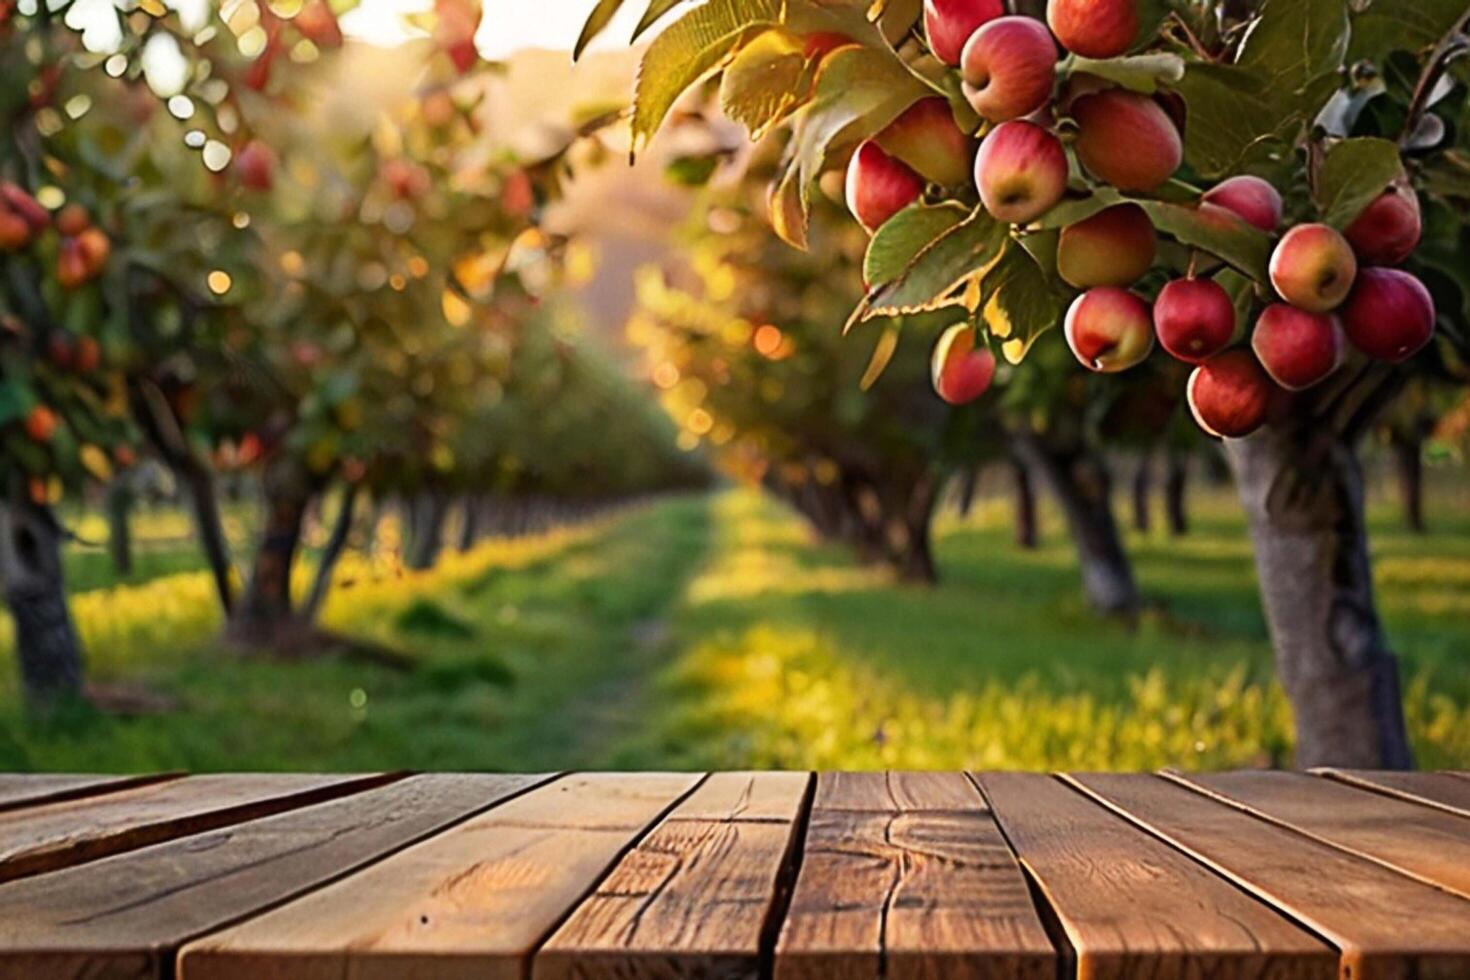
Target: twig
(1451, 46)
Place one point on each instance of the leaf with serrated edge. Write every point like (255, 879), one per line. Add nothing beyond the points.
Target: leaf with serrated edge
(904, 236)
(930, 279)
(656, 9)
(1354, 173)
(763, 82)
(1018, 302)
(1216, 231)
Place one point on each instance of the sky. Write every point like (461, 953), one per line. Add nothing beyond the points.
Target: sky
(508, 26)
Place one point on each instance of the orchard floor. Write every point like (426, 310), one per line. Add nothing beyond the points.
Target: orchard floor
(711, 632)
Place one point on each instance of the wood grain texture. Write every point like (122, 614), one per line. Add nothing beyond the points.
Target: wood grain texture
(1441, 790)
(1427, 844)
(473, 902)
(124, 917)
(695, 898)
(1386, 924)
(31, 790)
(59, 835)
(1131, 906)
(906, 877)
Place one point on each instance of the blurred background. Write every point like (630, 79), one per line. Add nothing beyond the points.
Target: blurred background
(443, 437)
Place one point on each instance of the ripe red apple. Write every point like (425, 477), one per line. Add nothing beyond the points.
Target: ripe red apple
(27, 208)
(1009, 68)
(1230, 394)
(1194, 319)
(73, 220)
(1390, 314)
(1313, 268)
(88, 355)
(1109, 329)
(1250, 197)
(41, 423)
(1388, 230)
(256, 166)
(1126, 139)
(949, 23)
(15, 234)
(961, 373)
(1094, 28)
(1114, 247)
(96, 248)
(1298, 349)
(879, 186)
(72, 268)
(1021, 171)
(928, 140)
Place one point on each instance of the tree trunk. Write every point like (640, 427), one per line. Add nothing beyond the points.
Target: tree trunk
(47, 646)
(891, 523)
(1143, 482)
(120, 500)
(1303, 493)
(969, 488)
(469, 526)
(336, 544)
(1079, 477)
(1408, 456)
(265, 612)
(1176, 482)
(1028, 531)
(430, 511)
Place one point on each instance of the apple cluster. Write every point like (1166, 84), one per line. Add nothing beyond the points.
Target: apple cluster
(84, 248)
(1331, 288)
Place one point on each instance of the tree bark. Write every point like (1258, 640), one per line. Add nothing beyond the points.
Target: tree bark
(1143, 484)
(120, 500)
(265, 611)
(969, 488)
(890, 522)
(1303, 491)
(1028, 530)
(1079, 478)
(469, 526)
(331, 554)
(47, 645)
(1408, 456)
(1176, 482)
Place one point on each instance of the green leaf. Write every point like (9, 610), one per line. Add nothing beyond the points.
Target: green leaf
(1079, 209)
(691, 48)
(904, 237)
(1229, 116)
(763, 82)
(1216, 231)
(656, 9)
(1387, 26)
(1017, 302)
(597, 22)
(930, 280)
(1295, 43)
(1354, 173)
(1145, 73)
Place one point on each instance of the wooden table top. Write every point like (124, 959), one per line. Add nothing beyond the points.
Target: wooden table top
(723, 876)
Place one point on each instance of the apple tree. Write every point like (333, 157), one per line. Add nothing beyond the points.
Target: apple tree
(1257, 190)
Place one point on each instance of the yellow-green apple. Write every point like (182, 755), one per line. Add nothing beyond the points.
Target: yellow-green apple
(1109, 329)
(1126, 139)
(961, 373)
(1252, 198)
(1313, 268)
(1388, 230)
(1194, 318)
(1009, 68)
(1094, 28)
(1230, 395)
(1298, 349)
(927, 138)
(1021, 171)
(949, 24)
(1114, 247)
(1390, 314)
(256, 166)
(879, 186)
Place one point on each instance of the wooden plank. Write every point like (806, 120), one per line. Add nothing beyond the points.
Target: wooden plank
(472, 902)
(907, 877)
(1386, 925)
(124, 917)
(1131, 906)
(59, 835)
(1424, 843)
(20, 790)
(696, 897)
(1442, 790)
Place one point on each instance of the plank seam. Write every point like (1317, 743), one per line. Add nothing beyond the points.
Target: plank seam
(1348, 779)
(100, 789)
(1180, 779)
(780, 906)
(169, 959)
(1051, 920)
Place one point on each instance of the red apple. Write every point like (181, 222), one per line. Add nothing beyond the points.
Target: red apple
(1094, 28)
(72, 268)
(15, 234)
(1194, 319)
(1114, 247)
(1009, 68)
(1387, 232)
(1230, 394)
(41, 423)
(1109, 329)
(1021, 171)
(96, 248)
(27, 208)
(1313, 268)
(950, 23)
(1250, 197)
(1390, 314)
(73, 220)
(928, 140)
(1298, 349)
(1126, 139)
(961, 373)
(878, 186)
(256, 166)
(88, 354)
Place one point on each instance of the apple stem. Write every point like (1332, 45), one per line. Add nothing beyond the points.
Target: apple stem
(1189, 273)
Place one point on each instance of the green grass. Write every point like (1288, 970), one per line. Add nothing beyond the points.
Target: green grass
(701, 632)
